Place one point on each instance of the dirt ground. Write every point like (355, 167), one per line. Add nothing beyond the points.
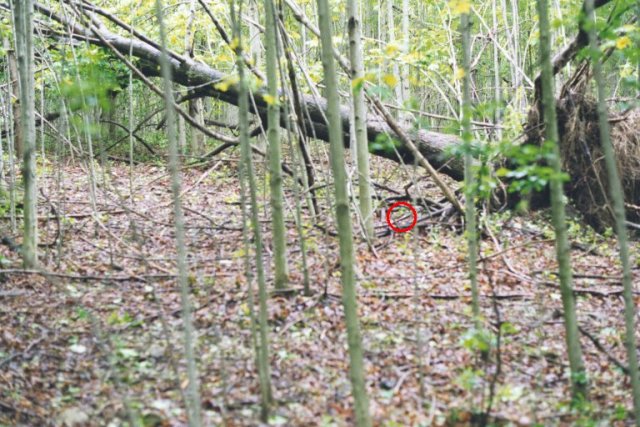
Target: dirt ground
(104, 332)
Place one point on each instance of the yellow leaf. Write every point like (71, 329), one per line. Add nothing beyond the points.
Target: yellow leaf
(357, 83)
(411, 57)
(627, 71)
(222, 86)
(245, 308)
(628, 28)
(390, 80)
(623, 42)
(460, 6)
(270, 100)
(459, 74)
(391, 49)
(235, 42)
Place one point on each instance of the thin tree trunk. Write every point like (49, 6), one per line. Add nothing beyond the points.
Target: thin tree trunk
(296, 165)
(360, 116)
(275, 149)
(195, 105)
(8, 111)
(391, 38)
(406, 40)
(308, 177)
(578, 374)
(343, 216)
(255, 50)
(131, 139)
(496, 73)
(111, 114)
(248, 174)
(15, 89)
(23, 16)
(469, 181)
(192, 393)
(3, 179)
(617, 199)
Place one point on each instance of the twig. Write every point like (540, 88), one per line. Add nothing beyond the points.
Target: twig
(593, 292)
(21, 353)
(604, 350)
(86, 278)
(498, 370)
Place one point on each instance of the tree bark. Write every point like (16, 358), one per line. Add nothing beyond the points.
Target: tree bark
(572, 336)
(276, 193)
(433, 146)
(247, 176)
(469, 173)
(13, 76)
(192, 393)
(23, 15)
(617, 201)
(360, 116)
(343, 219)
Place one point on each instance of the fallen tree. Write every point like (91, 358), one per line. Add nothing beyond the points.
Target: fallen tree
(202, 80)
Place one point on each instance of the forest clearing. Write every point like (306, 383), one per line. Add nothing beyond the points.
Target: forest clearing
(301, 213)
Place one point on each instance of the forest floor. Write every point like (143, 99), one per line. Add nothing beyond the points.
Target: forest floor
(106, 330)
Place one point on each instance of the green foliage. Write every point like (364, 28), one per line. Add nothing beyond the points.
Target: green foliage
(622, 40)
(619, 413)
(583, 412)
(508, 328)
(528, 171)
(470, 378)
(81, 314)
(510, 393)
(87, 75)
(485, 153)
(117, 319)
(383, 144)
(477, 340)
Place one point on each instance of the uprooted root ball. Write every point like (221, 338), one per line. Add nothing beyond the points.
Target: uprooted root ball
(583, 159)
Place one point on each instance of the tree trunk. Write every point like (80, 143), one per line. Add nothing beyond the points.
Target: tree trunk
(192, 393)
(275, 149)
(23, 15)
(617, 198)
(343, 217)
(15, 90)
(247, 173)
(469, 172)
(195, 105)
(112, 116)
(197, 138)
(360, 116)
(578, 374)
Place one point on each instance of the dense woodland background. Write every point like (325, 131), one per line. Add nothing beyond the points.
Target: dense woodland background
(196, 222)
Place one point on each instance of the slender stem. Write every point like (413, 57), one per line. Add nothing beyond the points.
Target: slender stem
(578, 374)
(248, 173)
(469, 174)
(193, 392)
(343, 216)
(616, 194)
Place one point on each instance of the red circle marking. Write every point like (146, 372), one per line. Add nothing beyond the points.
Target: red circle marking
(413, 212)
